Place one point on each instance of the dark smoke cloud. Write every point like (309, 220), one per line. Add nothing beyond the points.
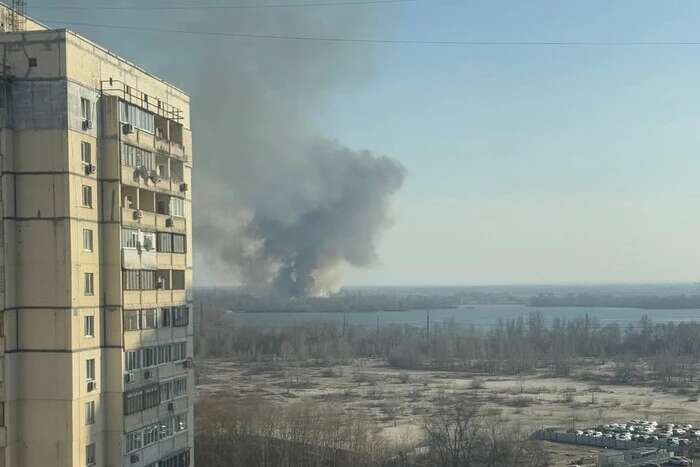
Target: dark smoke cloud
(339, 223)
(278, 204)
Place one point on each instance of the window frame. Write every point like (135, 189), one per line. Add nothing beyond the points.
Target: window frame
(164, 241)
(130, 236)
(89, 326)
(85, 109)
(176, 207)
(90, 413)
(85, 149)
(87, 201)
(131, 317)
(88, 284)
(181, 316)
(90, 370)
(175, 243)
(88, 240)
(90, 454)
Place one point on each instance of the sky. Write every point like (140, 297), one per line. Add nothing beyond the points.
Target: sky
(523, 164)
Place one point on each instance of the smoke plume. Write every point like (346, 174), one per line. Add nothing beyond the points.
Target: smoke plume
(278, 205)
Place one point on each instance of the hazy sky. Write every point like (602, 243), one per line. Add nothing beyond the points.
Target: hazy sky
(524, 164)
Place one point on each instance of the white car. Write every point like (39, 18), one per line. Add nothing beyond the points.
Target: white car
(678, 460)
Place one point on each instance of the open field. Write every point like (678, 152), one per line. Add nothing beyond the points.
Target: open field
(398, 400)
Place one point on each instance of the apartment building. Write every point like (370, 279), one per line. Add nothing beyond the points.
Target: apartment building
(95, 259)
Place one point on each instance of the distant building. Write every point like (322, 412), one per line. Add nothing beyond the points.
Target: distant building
(95, 259)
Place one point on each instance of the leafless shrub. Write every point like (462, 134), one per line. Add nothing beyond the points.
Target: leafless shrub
(477, 383)
(252, 433)
(458, 435)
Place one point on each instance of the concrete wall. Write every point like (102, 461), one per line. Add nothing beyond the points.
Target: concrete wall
(45, 350)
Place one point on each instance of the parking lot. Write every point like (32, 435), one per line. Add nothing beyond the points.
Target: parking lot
(650, 432)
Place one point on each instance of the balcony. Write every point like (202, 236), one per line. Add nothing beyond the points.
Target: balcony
(139, 258)
(148, 209)
(160, 181)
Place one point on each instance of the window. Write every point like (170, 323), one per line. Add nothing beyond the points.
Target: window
(86, 153)
(89, 283)
(132, 279)
(90, 454)
(180, 387)
(181, 316)
(165, 317)
(90, 326)
(90, 413)
(162, 206)
(133, 402)
(87, 239)
(85, 109)
(139, 280)
(180, 422)
(178, 280)
(166, 391)
(137, 157)
(178, 243)
(149, 318)
(177, 207)
(129, 201)
(130, 238)
(138, 117)
(148, 356)
(87, 196)
(151, 397)
(150, 435)
(163, 170)
(178, 460)
(179, 351)
(166, 428)
(90, 369)
(165, 242)
(149, 241)
(163, 279)
(133, 441)
(165, 354)
(148, 280)
(132, 360)
(132, 321)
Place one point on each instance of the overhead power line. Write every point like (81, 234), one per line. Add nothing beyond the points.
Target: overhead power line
(227, 7)
(353, 40)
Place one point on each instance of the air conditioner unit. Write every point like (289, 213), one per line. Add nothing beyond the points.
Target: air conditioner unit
(134, 458)
(90, 169)
(147, 374)
(188, 363)
(138, 214)
(87, 124)
(153, 175)
(127, 128)
(129, 378)
(169, 222)
(91, 386)
(184, 187)
(171, 406)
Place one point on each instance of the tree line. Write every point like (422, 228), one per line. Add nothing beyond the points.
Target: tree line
(669, 350)
(250, 432)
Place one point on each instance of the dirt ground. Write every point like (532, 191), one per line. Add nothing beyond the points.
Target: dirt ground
(399, 400)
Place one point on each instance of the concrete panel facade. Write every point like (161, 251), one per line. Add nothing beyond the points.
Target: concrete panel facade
(96, 330)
